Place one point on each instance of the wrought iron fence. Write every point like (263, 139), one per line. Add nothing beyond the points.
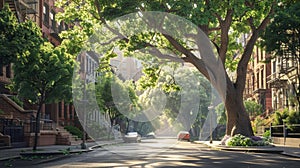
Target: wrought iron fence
(292, 130)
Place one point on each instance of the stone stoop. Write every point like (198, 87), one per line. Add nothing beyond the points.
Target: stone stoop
(66, 138)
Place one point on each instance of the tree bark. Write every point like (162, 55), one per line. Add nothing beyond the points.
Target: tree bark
(238, 121)
(37, 126)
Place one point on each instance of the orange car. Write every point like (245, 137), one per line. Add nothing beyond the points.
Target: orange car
(183, 135)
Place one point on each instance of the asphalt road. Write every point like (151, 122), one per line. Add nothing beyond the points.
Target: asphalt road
(170, 153)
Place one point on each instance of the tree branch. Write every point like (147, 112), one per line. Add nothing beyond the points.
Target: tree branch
(225, 26)
(243, 63)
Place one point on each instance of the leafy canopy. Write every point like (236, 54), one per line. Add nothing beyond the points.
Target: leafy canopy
(16, 38)
(282, 35)
(44, 75)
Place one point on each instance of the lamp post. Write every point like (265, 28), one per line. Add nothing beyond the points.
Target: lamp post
(83, 144)
(210, 123)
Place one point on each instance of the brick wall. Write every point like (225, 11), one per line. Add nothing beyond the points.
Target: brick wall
(11, 110)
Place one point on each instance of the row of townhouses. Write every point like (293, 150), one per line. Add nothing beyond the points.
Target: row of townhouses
(16, 121)
(272, 81)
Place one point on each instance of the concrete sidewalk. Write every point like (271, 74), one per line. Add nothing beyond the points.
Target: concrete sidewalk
(12, 153)
(280, 149)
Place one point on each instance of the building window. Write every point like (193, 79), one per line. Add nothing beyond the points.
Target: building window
(46, 14)
(262, 54)
(257, 54)
(262, 78)
(1, 70)
(66, 111)
(60, 26)
(70, 112)
(8, 71)
(274, 66)
(257, 80)
(59, 109)
(53, 22)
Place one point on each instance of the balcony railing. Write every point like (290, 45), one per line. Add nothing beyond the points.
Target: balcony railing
(275, 80)
(45, 124)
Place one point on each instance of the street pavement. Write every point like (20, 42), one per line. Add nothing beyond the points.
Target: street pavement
(12, 153)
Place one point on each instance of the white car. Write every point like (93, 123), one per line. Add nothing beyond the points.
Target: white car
(132, 137)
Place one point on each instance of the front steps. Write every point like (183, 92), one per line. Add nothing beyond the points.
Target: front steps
(66, 138)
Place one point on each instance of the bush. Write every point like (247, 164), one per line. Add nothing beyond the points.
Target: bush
(267, 136)
(293, 118)
(280, 116)
(17, 100)
(241, 140)
(74, 131)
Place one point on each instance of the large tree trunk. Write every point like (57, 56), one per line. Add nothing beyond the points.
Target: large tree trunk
(238, 121)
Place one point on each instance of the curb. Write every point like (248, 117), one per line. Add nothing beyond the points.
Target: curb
(10, 158)
(256, 150)
(290, 155)
(269, 149)
(53, 152)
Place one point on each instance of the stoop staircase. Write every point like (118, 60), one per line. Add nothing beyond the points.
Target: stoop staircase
(66, 138)
(13, 7)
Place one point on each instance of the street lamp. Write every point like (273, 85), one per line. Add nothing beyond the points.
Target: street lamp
(83, 144)
(210, 108)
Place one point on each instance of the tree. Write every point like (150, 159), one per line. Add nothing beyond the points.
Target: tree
(16, 38)
(222, 21)
(43, 75)
(164, 86)
(105, 98)
(253, 108)
(282, 38)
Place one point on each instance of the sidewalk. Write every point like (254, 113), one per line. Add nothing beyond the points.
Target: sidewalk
(12, 153)
(280, 149)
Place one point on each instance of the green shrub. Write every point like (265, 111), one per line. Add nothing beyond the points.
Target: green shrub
(253, 108)
(293, 118)
(16, 100)
(74, 131)
(267, 136)
(280, 116)
(241, 140)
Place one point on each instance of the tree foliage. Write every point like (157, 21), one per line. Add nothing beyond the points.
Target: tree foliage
(282, 35)
(222, 21)
(16, 38)
(43, 75)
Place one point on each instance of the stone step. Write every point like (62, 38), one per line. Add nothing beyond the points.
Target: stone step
(67, 138)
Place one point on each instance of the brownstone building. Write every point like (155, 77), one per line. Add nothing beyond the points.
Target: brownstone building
(257, 88)
(54, 116)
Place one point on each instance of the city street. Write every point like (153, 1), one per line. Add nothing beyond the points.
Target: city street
(168, 153)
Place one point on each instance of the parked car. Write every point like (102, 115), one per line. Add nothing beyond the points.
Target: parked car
(183, 136)
(150, 135)
(132, 137)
